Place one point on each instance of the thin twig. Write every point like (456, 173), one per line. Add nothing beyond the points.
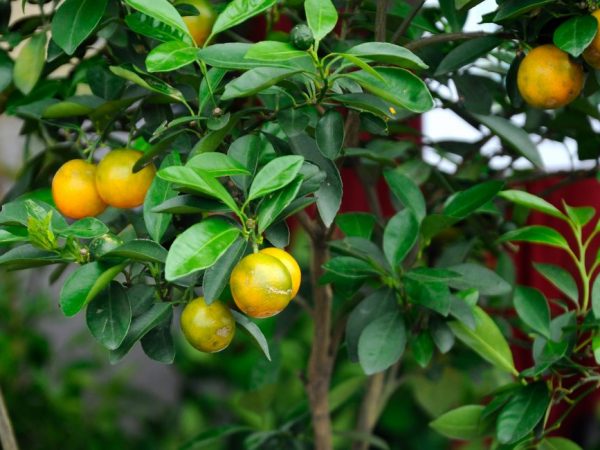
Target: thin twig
(381, 20)
(7, 434)
(307, 223)
(449, 37)
(407, 21)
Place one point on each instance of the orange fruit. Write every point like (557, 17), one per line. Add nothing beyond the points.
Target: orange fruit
(201, 25)
(208, 328)
(261, 285)
(117, 185)
(74, 190)
(290, 264)
(592, 52)
(547, 78)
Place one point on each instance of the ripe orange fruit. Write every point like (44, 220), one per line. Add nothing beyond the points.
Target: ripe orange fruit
(208, 328)
(201, 25)
(74, 190)
(290, 264)
(117, 184)
(261, 285)
(548, 78)
(592, 53)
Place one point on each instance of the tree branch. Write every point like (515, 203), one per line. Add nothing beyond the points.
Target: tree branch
(407, 21)
(7, 434)
(449, 37)
(381, 20)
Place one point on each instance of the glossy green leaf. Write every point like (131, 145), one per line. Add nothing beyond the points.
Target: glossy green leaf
(86, 228)
(517, 138)
(108, 316)
(347, 267)
(274, 51)
(26, 256)
(140, 250)
(321, 17)
(387, 53)
(162, 11)
(151, 27)
(330, 134)
(463, 423)
(434, 295)
(275, 203)
(217, 276)
(199, 247)
(356, 224)
(522, 413)
(245, 150)
(159, 192)
(274, 175)
(476, 276)
(30, 63)
(84, 284)
(557, 443)
(486, 340)
(239, 11)
(581, 215)
(531, 201)
(382, 342)
(576, 34)
(515, 8)
(170, 56)
(158, 342)
(253, 331)
(151, 84)
(368, 103)
(399, 86)
(399, 237)
(532, 307)
(466, 53)
(140, 326)
(189, 204)
(560, 278)
(255, 80)
(217, 164)
(467, 202)
(74, 21)
(232, 55)
(537, 234)
(405, 190)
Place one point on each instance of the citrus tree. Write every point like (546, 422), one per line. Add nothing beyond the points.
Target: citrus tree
(181, 142)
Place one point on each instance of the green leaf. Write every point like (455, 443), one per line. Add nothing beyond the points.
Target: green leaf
(274, 175)
(170, 56)
(387, 53)
(463, 423)
(153, 28)
(582, 215)
(405, 190)
(275, 203)
(557, 443)
(373, 306)
(140, 326)
(347, 267)
(467, 202)
(214, 435)
(159, 192)
(10, 235)
(239, 11)
(475, 276)
(399, 86)
(140, 250)
(522, 413)
(330, 134)
(517, 138)
(422, 349)
(108, 316)
(368, 103)
(217, 164)
(253, 331)
(26, 256)
(399, 237)
(356, 224)
(274, 51)
(158, 342)
(30, 63)
(531, 201)
(189, 204)
(532, 308)
(486, 340)
(74, 21)
(321, 17)
(246, 150)
(514, 8)
(255, 80)
(232, 55)
(6, 70)
(84, 284)
(217, 276)
(86, 228)
(162, 11)
(537, 234)
(434, 295)
(560, 278)
(576, 34)
(382, 342)
(199, 247)
(153, 85)
(466, 53)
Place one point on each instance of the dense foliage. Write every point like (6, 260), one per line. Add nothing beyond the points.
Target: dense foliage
(249, 131)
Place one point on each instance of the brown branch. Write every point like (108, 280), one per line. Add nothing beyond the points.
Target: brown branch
(407, 21)
(369, 409)
(448, 37)
(307, 223)
(381, 20)
(7, 434)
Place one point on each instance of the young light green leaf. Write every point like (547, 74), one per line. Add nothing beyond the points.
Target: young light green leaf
(199, 247)
(256, 80)
(557, 443)
(74, 21)
(162, 11)
(274, 175)
(387, 53)
(217, 164)
(537, 234)
(531, 201)
(356, 224)
(275, 203)
(321, 17)
(486, 340)
(463, 423)
(30, 63)
(581, 215)
(170, 56)
(239, 11)
(273, 51)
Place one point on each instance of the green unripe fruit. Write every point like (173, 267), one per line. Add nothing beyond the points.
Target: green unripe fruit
(301, 37)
